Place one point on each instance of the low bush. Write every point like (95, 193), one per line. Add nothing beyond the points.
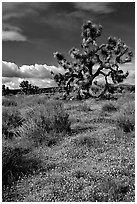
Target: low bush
(87, 140)
(16, 162)
(9, 102)
(109, 107)
(45, 123)
(11, 119)
(126, 118)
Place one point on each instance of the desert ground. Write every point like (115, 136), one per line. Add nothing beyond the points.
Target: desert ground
(68, 150)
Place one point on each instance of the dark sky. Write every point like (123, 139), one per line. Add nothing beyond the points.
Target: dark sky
(32, 31)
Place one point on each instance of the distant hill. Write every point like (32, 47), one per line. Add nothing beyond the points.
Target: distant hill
(41, 90)
(126, 87)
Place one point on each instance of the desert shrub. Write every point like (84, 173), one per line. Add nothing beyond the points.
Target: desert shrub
(11, 119)
(9, 102)
(126, 118)
(109, 107)
(37, 133)
(17, 161)
(87, 140)
(45, 123)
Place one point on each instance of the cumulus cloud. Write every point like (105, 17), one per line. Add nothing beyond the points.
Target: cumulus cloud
(12, 36)
(38, 71)
(29, 71)
(9, 69)
(38, 74)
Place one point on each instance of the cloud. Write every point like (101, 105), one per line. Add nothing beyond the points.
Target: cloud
(12, 36)
(17, 11)
(130, 67)
(96, 7)
(59, 15)
(9, 69)
(11, 83)
(20, 9)
(7, 27)
(38, 74)
(12, 33)
(29, 71)
(38, 71)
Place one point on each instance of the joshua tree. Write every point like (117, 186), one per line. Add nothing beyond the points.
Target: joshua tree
(5, 90)
(28, 88)
(81, 75)
(24, 85)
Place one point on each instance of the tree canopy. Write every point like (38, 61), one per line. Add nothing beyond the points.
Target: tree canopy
(81, 77)
(28, 88)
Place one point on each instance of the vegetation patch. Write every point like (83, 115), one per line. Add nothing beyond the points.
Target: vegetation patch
(109, 107)
(45, 123)
(63, 154)
(17, 162)
(9, 102)
(87, 140)
(11, 119)
(126, 118)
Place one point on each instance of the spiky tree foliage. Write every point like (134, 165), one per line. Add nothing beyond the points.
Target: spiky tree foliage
(5, 90)
(81, 77)
(28, 88)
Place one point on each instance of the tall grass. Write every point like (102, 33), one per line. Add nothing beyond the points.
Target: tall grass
(110, 107)
(9, 102)
(32, 125)
(11, 119)
(17, 161)
(126, 117)
(45, 122)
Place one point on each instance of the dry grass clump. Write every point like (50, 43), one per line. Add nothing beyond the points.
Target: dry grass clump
(11, 119)
(126, 118)
(45, 122)
(17, 161)
(109, 107)
(87, 139)
(9, 102)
